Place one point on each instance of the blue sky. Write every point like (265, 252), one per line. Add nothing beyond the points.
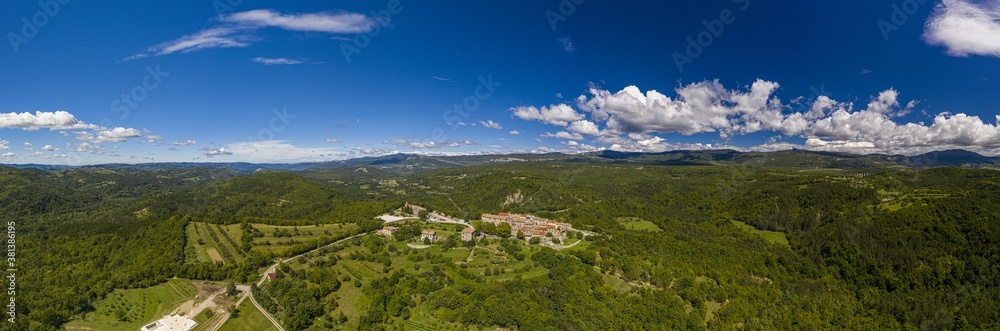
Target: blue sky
(291, 81)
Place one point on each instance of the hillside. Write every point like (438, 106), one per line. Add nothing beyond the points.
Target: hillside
(706, 240)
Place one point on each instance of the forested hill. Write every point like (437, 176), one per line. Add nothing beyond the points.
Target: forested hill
(867, 248)
(406, 164)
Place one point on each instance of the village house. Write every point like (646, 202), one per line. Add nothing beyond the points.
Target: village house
(468, 234)
(386, 231)
(428, 235)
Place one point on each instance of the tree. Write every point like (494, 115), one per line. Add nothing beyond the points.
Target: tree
(535, 241)
(503, 230)
(520, 234)
(231, 289)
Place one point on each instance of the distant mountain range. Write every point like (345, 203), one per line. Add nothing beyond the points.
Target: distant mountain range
(410, 163)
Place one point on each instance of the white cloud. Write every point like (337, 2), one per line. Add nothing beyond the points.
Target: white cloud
(340, 23)
(27, 143)
(563, 135)
(492, 125)
(188, 142)
(560, 114)
(700, 107)
(276, 61)
(152, 138)
(118, 134)
(965, 27)
(430, 144)
(333, 141)
(210, 152)
(57, 120)
(514, 132)
(3, 144)
(239, 29)
(8, 154)
(567, 44)
(278, 151)
(584, 127)
(630, 120)
(88, 148)
(48, 148)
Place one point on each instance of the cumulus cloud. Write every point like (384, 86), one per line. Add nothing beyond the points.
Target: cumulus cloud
(560, 114)
(700, 107)
(965, 27)
(239, 30)
(88, 148)
(8, 154)
(57, 120)
(491, 124)
(3, 144)
(514, 132)
(631, 120)
(118, 134)
(333, 141)
(152, 138)
(188, 142)
(406, 142)
(48, 148)
(210, 152)
(584, 127)
(276, 61)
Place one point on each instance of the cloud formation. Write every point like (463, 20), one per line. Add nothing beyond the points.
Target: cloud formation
(491, 124)
(965, 27)
(276, 61)
(560, 114)
(57, 120)
(210, 152)
(239, 30)
(630, 120)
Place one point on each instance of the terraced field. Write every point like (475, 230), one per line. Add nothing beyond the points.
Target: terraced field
(278, 240)
(203, 238)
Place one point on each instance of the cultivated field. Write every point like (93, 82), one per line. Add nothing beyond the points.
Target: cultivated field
(131, 309)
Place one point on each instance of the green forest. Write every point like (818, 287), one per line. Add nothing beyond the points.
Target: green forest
(670, 247)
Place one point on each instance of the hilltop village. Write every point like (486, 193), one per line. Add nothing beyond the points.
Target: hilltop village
(527, 227)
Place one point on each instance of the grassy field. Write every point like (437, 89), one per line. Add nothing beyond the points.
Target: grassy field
(773, 237)
(638, 224)
(250, 319)
(131, 309)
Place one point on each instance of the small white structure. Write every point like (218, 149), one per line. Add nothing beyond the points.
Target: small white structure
(171, 323)
(428, 235)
